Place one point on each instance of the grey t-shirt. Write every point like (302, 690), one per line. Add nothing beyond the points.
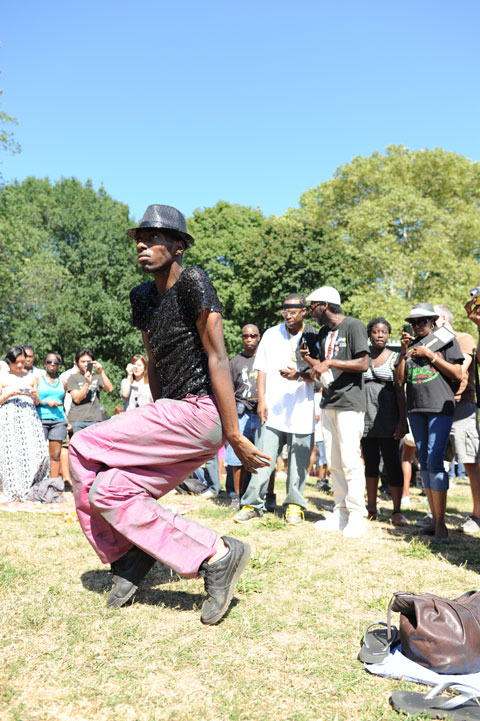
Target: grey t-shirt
(89, 408)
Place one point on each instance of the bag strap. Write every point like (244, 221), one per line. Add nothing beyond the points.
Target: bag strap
(391, 608)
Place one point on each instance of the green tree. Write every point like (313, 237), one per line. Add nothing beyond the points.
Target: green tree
(409, 222)
(69, 272)
(255, 262)
(7, 139)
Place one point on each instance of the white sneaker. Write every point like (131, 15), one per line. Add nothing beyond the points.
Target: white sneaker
(356, 526)
(405, 502)
(208, 493)
(335, 522)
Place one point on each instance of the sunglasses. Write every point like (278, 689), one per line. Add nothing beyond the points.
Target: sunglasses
(249, 335)
(55, 362)
(419, 321)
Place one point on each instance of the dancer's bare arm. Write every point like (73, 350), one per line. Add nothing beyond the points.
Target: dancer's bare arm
(210, 329)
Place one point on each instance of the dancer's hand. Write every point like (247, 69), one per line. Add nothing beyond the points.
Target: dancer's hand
(249, 455)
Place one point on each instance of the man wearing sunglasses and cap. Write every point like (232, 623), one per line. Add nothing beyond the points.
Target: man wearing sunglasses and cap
(343, 358)
(285, 410)
(120, 468)
(244, 380)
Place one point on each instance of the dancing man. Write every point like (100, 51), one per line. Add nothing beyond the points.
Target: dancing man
(122, 466)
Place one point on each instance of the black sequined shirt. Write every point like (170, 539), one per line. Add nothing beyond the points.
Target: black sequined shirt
(169, 321)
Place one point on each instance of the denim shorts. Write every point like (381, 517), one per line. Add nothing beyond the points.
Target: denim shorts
(322, 458)
(248, 424)
(54, 430)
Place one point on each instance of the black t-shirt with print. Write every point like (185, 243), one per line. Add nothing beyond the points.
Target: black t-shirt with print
(428, 390)
(347, 341)
(244, 380)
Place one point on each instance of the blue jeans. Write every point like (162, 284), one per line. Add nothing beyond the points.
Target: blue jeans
(431, 433)
(271, 442)
(210, 475)
(80, 425)
(322, 458)
(248, 424)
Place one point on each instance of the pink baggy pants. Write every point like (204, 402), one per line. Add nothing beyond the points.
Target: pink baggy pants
(121, 466)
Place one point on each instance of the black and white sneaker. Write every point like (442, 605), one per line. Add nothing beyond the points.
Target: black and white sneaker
(221, 578)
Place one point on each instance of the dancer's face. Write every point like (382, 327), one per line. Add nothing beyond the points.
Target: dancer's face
(156, 250)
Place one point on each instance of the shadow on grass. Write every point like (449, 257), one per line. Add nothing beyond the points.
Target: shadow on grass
(100, 581)
(323, 505)
(462, 549)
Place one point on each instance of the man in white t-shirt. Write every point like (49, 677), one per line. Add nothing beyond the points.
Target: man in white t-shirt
(285, 409)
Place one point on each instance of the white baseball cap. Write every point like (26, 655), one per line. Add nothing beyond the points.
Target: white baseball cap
(325, 294)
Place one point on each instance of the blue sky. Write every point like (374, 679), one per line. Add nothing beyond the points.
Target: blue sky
(188, 103)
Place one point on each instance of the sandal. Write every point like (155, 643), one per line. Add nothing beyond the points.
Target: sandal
(372, 515)
(398, 519)
(378, 642)
(455, 708)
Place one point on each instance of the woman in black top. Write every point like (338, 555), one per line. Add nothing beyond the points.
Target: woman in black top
(429, 375)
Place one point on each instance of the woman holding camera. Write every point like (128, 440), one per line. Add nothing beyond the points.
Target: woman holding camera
(85, 387)
(23, 453)
(134, 389)
(430, 377)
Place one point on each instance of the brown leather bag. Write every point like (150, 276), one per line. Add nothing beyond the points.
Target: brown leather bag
(440, 634)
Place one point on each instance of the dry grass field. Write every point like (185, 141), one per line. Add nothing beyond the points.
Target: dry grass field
(286, 651)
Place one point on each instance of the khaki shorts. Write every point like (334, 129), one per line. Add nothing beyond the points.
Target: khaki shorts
(465, 432)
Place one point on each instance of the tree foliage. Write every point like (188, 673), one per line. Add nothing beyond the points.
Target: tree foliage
(68, 272)
(388, 231)
(410, 222)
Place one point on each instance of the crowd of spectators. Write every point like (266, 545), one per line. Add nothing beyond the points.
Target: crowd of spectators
(339, 404)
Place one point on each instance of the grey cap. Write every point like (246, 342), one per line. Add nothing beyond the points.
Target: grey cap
(164, 217)
(422, 310)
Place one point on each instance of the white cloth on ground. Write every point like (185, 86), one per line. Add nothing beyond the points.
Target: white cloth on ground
(396, 665)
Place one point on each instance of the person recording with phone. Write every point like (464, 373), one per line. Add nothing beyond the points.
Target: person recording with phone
(430, 377)
(84, 388)
(134, 389)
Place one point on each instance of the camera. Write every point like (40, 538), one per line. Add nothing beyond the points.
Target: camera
(475, 294)
(408, 328)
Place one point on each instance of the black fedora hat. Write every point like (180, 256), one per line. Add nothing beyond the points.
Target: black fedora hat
(164, 217)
